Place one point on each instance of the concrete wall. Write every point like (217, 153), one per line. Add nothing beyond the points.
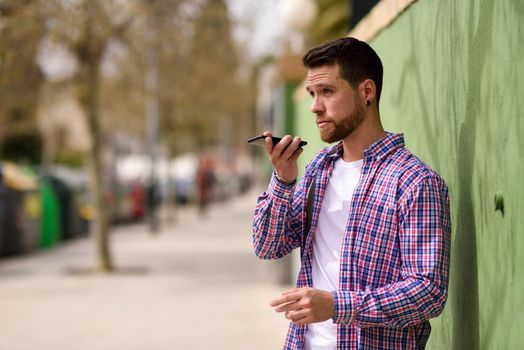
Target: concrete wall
(454, 84)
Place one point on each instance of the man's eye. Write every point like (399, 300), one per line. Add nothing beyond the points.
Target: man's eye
(327, 91)
(311, 93)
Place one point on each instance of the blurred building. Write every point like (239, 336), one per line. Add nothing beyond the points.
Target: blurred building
(62, 123)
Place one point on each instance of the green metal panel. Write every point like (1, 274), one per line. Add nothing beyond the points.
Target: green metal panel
(50, 217)
(454, 84)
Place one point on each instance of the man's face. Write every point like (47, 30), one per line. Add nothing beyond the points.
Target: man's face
(338, 108)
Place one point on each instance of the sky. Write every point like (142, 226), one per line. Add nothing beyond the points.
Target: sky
(259, 25)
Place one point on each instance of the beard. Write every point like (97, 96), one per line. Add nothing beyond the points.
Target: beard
(345, 127)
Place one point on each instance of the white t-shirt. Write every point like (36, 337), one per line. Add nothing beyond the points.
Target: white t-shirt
(327, 242)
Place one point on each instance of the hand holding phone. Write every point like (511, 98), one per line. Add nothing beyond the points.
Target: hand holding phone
(282, 156)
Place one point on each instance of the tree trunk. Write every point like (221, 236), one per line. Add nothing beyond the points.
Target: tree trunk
(101, 227)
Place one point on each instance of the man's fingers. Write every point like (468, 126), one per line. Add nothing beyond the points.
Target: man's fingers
(298, 316)
(291, 148)
(296, 154)
(287, 147)
(280, 148)
(290, 291)
(292, 306)
(268, 142)
(286, 297)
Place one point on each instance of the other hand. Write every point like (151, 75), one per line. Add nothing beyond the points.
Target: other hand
(305, 305)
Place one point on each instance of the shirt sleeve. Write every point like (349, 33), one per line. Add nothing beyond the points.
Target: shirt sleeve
(278, 219)
(421, 292)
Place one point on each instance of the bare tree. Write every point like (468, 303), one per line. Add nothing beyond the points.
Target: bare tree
(86, 28)
(219, 91)
(21, 31)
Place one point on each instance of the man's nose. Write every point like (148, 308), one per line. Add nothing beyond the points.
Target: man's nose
(317, 106)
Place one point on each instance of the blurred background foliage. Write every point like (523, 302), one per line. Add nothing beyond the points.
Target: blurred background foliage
(202, 77)
(20, 79)
(206, 86)
(331, 21)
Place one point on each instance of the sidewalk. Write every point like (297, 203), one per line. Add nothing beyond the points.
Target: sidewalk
(196, 285)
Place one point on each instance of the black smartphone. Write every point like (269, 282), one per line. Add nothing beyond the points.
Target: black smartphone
(260, 140)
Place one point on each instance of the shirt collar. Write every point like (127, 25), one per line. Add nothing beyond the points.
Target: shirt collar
(377, 149)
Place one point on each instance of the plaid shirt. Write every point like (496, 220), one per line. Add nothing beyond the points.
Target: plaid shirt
(394, 259)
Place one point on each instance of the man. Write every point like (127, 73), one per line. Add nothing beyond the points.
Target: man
(375, 244)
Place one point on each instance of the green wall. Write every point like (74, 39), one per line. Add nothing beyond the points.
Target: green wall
(288, 89)
(454, 85)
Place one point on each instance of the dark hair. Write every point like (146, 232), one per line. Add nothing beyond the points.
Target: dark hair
(356, 59)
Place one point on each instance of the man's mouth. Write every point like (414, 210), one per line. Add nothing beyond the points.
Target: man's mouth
(322, 123)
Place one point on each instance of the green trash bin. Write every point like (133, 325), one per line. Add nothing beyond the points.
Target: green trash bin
(50, 223)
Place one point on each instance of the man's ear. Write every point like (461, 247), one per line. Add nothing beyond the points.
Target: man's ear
(368, 91)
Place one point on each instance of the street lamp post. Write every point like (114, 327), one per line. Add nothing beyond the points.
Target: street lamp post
(152, 121)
